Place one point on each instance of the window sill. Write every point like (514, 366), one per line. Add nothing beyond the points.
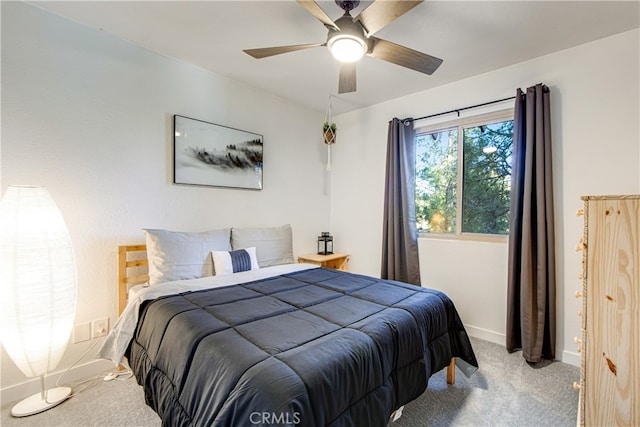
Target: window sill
(466, 237)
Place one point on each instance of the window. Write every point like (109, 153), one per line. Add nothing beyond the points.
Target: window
(463, 176)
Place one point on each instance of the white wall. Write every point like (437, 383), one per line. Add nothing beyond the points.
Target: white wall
(89, 117)
(595, 130)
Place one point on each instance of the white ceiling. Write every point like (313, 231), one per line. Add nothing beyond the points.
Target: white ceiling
(472, 37)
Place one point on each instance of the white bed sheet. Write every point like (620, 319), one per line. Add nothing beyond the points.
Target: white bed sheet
(118, 339)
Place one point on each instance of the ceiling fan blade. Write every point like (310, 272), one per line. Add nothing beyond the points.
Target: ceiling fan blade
(403, 56)
(270, 51)
(313, 8)
(347, 80)
(380, 13)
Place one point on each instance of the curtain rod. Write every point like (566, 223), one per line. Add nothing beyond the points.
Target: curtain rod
(457, 110)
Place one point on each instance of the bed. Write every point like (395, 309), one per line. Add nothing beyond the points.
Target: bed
(278, 343)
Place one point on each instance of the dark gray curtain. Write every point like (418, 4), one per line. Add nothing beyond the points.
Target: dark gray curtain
(399, 233)
(531, 296)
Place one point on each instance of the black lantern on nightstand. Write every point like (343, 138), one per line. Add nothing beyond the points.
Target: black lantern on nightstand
(325, 243)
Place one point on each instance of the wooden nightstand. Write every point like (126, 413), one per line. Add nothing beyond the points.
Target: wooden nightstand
(335, 261)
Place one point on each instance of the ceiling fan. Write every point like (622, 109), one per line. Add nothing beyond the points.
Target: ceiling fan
(349, 39)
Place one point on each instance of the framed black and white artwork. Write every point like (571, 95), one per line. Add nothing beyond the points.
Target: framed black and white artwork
(209, 154)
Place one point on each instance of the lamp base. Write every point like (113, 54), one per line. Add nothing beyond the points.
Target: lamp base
(35, 403)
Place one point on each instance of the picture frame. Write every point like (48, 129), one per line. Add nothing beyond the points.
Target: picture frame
(208, 154)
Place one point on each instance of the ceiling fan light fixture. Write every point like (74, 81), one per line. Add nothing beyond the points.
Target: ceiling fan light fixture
(347, 48)
(349, 39)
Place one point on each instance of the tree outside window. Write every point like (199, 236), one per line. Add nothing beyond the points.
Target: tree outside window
(480, 167)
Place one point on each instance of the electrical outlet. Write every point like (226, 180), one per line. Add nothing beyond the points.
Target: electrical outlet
(99, 327)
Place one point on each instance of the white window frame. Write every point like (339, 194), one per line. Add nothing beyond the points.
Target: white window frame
(460, 124)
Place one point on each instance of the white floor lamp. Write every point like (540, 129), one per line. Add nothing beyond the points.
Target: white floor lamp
(37, 289)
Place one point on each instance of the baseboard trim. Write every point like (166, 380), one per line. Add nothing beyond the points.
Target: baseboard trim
(17, 392)
(568, 357)
(485, 334)
(571, 358)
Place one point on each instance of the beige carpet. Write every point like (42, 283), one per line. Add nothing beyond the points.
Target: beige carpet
(505, 391)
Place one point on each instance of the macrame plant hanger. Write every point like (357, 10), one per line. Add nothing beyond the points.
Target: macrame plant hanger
(329, 132)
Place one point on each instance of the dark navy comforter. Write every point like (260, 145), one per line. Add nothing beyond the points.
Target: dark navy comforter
(312, 348)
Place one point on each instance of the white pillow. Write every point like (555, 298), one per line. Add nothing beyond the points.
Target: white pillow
(226, 262)
(175, 255)
(274, 246)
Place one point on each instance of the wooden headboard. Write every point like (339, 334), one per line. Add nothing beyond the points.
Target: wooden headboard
(126, 276)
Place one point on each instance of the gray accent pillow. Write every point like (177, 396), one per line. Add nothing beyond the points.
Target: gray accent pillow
(274, 245)
(176, 255)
